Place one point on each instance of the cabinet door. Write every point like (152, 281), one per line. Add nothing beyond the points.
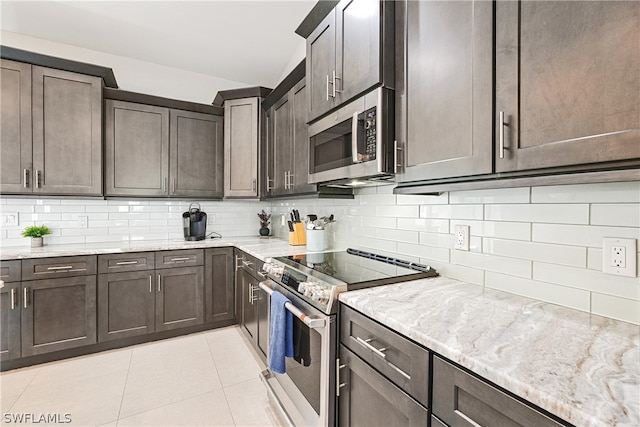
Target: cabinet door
(58, 314)
(300, 141)
(369, 399)
(241, 126)
(444, 88)
(263, 302)
(283, 150)
(179, 298)
(321, 61)
(568, 82)
(126, 305)
(218, 283)
(136, 149)
(248, 321)
(197, 154)
(15, 132)
(10, 321)
(357, 47)
(67, 132)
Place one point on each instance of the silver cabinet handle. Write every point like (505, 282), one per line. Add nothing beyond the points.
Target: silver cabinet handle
(238, 258)
(339, 385)
(354, 137)
(25, 292)
(254, 184)
(262, 274)
(396, 164)
(150, 285)
(501, 133)
(13, 298)
(248, 264)
(250, 294)
(37, 183)
(173, 185)
(334, 84)
(181, 259)
(365, 343)
(64, 267)
(269, 187)
(164, 184)
(26, 178)
(327, 87)
(159, 283)
(286, 180)
(126, 262)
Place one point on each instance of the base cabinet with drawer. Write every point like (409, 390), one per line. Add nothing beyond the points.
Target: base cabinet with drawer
(219, 285)
(10, 274)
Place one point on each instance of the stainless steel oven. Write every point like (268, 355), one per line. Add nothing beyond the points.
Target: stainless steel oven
(356, 142)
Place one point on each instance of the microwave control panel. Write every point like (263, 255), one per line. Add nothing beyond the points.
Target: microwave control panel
(370, 134)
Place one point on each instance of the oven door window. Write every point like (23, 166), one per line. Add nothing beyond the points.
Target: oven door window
(331, 149)
(304, 368)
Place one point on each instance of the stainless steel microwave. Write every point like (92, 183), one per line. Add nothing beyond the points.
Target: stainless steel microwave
(354, 145)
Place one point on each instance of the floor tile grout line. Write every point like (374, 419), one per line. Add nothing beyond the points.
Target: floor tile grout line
(39, 369)
(124, 389)
(213, 359)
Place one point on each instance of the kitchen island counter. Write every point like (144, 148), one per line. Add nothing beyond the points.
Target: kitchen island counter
(580, 367)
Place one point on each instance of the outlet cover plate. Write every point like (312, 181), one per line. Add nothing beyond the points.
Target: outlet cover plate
(619, 256)
(10, 219)
(461, 237)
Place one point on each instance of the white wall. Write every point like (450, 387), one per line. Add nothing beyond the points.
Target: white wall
(131, 74)
(540, 242)
(298, 55)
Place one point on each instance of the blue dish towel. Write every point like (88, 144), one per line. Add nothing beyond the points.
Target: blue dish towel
(280, 333)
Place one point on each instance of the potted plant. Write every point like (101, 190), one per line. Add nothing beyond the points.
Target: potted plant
(264, 223)
(36, 232)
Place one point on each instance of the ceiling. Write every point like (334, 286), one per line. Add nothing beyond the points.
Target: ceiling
(244, 41)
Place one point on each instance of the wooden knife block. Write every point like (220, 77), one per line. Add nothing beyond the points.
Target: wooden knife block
(297, 237)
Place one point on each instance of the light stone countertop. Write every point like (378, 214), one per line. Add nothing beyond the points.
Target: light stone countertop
(583, 368)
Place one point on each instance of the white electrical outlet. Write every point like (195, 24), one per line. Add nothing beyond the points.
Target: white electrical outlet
(619, 256)
(83, 221)
(461, 237)
(10, 219)
(211, 219)
(284, 220)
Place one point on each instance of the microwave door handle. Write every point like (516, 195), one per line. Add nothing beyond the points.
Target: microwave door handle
(354, 137)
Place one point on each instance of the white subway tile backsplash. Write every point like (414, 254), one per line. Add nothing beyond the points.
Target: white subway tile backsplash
(624, 309)
(470, 212)
(497, 229)
(84, 231)
(405, 236)
(498, 264)
(582, 278)
(379, 200)
(406, 199)
(128, 215)
(429, 253)
(562, 295)
(408, 211)
(620, 215)
(378, 222)
(594, 259)
(378, 244)
(58, 208)
(423, 224)
(554, 254)
(555, 214)
(613, 192)
(105, 208)
(590, 236)
(505, 195)
(461, 272)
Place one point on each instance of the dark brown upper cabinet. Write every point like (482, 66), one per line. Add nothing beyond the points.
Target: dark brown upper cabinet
(50, 119)
(444, 89)
(567, 83)
(158, 151)
(349, 52)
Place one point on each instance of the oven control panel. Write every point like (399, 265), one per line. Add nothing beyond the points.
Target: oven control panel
(322, 294)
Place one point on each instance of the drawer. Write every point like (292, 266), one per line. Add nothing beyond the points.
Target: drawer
(249, 263)
(181, 258)
(115, 263)
(463, 400)
(10, 271)
(44, 268)
(403, 362)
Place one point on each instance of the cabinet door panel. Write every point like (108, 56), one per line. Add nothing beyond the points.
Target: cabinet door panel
(136, 149)
(263, 302)
(241, 147)
(59, 314)
(126, 305)
(67, 130)
(15, 132)
(321, 60)
(445, 96)
(568, 81)
(197, 154)
(10, 321)
(219, 286)
(281, 113)
(358, 46)
(369, 399)
(248, 320)
(300, 140)
(179, 301)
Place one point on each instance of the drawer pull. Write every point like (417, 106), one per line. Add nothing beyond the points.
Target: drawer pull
(150, 285)
(247, 264)
(159, 283)
(262, 274)
(398, 370)
(64, 267)
(25, 292)
(13, 298)
(339, 385)
(126, 262)
(467, 419)
(180, 259)
(365, 344)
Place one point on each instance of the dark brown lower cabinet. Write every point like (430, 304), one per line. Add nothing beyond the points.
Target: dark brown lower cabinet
(263, 302)
(369, 399)
(58, 314)
(179, 299)
(462, 400)
(10, 321)
(126, 304)
(249, 307)
(219, 287)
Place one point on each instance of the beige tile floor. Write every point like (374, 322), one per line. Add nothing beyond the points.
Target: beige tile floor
(204, 379)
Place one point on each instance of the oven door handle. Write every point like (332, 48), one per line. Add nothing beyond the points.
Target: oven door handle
(311, 322)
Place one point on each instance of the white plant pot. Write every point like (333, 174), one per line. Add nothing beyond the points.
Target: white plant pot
(36, 242)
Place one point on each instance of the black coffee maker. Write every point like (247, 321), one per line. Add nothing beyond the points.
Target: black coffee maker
(194, 223)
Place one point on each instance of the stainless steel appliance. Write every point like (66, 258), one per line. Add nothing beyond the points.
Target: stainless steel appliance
(354, 145)
(312, 282)
(194, 223)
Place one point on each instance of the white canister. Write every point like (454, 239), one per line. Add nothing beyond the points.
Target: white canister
(315, 240)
